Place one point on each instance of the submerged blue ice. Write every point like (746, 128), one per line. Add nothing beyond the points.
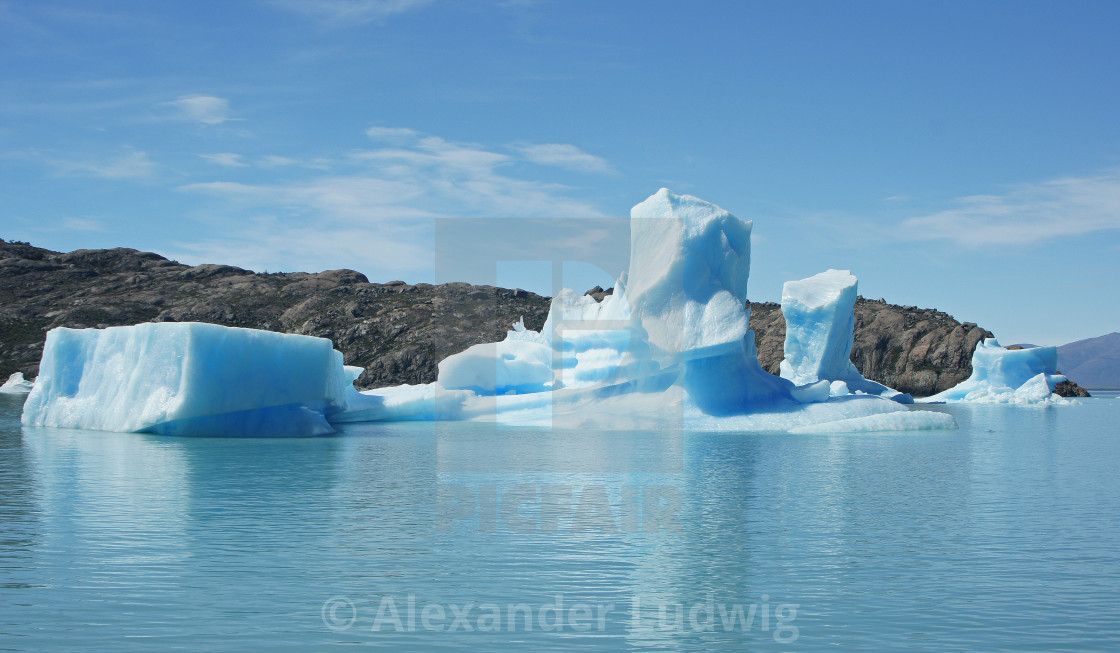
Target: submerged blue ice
(671, 347)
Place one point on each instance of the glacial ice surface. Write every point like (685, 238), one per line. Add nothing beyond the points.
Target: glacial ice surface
(188, 379)
(820, 326)
(16, 385)
(1007, 376)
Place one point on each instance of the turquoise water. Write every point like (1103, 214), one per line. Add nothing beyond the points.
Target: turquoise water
(998, 536)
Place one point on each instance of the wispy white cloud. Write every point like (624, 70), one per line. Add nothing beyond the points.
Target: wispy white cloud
(393, 134)
(129, 164)
(265, 244)
(564, 156)
(431, 177)
(434, 153)
(275, 161)
(83, 224)
(327, 200)
(204, 109)
(375, 204)
(225, 159)
(96, 102)
(1026, 213)
(340, 13)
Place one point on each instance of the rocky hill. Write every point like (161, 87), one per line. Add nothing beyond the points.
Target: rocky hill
(398, 332)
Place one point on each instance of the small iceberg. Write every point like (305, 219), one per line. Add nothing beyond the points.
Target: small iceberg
(820, 328)
(1008, 376)
(16, 385)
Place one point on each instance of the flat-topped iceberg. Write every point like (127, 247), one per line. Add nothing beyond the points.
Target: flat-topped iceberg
(188, 379)
(820, 328)
(1007, 376)
(16, 385)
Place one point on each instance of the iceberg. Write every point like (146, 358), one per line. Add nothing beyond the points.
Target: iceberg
(672, 345)
(188, 379)
(1007, 376)
(520, 364)
(16, 385)
(820, 328)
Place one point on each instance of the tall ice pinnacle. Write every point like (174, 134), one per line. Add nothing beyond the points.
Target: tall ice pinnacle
(820, 328)
(689, 265)
(820, 324)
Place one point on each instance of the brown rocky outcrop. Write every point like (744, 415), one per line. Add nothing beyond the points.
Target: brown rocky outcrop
(1068, 388)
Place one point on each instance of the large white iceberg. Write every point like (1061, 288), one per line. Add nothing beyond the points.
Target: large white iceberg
(188, 379)
(672, 345)
(820, 327)
(16, 385)
(1007, 376)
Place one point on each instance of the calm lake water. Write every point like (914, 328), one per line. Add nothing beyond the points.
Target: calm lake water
(1001, 535)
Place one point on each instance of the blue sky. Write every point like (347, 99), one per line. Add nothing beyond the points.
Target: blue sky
(957, 155)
